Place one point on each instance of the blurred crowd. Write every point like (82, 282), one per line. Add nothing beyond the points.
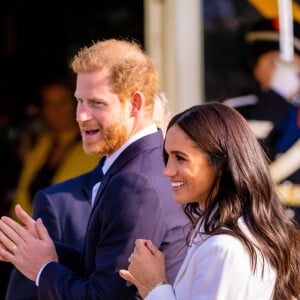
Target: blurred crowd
(42, 149)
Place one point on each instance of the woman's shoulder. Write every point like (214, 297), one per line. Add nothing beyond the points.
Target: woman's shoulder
(219, 245)
(226, 242)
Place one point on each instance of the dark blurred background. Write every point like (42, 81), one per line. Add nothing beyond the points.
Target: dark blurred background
(38, 38)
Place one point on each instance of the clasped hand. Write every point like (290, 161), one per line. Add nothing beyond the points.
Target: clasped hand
(27, 247)
(146, 268)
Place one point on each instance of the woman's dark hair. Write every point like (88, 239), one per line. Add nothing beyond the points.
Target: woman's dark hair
(244, 189)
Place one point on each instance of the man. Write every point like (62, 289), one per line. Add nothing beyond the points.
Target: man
(61, 206)
(116, 86)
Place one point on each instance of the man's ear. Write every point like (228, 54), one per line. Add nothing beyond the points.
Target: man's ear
(137, 99)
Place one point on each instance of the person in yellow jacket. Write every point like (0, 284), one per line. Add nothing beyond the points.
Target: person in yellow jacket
(57, 154)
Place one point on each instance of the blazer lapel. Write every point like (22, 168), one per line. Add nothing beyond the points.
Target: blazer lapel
(91, 179)
(148, 142)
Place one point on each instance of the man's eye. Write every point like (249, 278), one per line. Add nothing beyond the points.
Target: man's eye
(96, 103)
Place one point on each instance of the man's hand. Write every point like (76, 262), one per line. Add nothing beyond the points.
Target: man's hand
(26, 219)
(27, 248)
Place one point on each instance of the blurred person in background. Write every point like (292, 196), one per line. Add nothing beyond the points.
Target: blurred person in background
(26, 152)
(64, 208)
(273, 110)
(161, 113)
(57, 154)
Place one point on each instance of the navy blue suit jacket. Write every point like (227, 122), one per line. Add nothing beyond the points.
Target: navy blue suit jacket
(134, 201)
(64, 209)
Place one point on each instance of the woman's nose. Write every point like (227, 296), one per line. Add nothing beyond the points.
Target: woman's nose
(169, 170)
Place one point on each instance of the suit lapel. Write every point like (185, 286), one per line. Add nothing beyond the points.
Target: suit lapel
(146, 143)
(91, 178)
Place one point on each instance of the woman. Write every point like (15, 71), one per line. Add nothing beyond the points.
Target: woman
(242, 245)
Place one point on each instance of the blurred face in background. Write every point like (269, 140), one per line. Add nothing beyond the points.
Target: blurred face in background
(265, 66)
(58, 108)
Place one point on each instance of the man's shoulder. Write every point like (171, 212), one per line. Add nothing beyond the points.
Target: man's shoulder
(74, 183)
(144, 154)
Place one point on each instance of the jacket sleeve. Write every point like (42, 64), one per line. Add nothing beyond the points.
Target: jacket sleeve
(44, 209)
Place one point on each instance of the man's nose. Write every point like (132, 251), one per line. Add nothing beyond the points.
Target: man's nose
(82, 113)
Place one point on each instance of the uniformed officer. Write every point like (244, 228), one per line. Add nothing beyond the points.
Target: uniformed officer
(274, 111)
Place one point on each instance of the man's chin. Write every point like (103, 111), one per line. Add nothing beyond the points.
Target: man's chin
(89, 150)
(92, 150)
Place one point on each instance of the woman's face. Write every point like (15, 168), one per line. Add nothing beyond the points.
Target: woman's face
(188, 167)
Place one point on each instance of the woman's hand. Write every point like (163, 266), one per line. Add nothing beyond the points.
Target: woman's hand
(147, 267)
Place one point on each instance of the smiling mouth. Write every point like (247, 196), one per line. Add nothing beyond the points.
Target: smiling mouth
(91, 131)
(88, 132)
(177, 184)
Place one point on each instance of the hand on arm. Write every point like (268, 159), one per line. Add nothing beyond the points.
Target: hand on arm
(27, 247)
(147, 267)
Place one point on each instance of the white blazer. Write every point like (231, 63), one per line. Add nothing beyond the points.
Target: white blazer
(218, 268)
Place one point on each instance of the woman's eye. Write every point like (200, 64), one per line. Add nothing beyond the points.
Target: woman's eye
(178, 157)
